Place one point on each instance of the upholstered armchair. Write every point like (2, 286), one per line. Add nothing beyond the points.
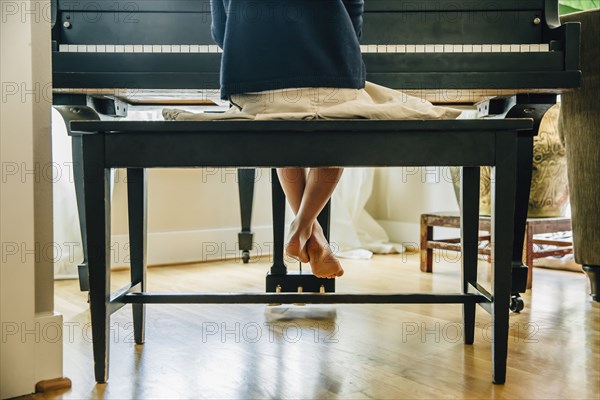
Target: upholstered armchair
(580, 131)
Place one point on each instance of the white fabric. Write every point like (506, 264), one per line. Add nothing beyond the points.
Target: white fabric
(354, 233)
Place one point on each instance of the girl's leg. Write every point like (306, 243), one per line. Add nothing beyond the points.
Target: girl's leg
(308, 195)
(293, 181)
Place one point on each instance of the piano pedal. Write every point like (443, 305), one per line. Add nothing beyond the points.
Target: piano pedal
(300, 289)
(277, 290)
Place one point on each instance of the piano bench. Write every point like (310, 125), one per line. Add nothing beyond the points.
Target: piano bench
(139, 145)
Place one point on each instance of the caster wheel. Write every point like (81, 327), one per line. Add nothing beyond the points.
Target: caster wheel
(245, 256)
(516, 304)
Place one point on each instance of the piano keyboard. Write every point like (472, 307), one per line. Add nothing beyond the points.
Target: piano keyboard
(366, 49)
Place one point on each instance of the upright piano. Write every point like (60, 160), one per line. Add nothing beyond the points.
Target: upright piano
(510, 58)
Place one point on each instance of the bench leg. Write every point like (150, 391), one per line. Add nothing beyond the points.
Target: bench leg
(426, 253)
(278, 198)
(138, 217)
(246, 177)
(97, 215)
(469, 225)
(503, 211)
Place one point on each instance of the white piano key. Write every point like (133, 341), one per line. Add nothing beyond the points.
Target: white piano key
(515, 48)
(486, 48)
(63, 48)
(381, 48)
(148, 48)
(119, 48)
(458, 48)
(138, 48)
(219, 50)
(363, 48)
(185, 48)
(477, 48)
(128, 48)
(429, 48)
(448, 48)
(400, 48)
(545, 47)
(391, 48)
(213, 48)
(82, 48)
(194, 48)
(372, 48)
(505, 48)
(439, 48)
(175, 48)
(166, 48)
(91, 48)
(411, 48)
(496, 48)
(156, 48)
(534, 48)
(110, 48)
(467, 48)
(525, 48)
(420, 48)
(203, 48)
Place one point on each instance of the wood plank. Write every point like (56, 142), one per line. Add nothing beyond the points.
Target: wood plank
(362, 351)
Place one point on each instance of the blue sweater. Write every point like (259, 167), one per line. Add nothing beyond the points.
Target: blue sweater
(277, 44)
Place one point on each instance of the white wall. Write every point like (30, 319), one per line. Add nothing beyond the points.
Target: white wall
(31, 345)
(193, 215)
(401, 195)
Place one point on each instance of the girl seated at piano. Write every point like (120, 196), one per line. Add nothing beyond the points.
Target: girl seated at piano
(293, 57)
(301, 59)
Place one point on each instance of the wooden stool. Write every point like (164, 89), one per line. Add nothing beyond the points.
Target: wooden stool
(534, 227)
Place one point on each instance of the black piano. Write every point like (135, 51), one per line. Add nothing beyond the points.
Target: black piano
(510, 58)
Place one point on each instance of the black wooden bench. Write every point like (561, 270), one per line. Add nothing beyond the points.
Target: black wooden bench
(136, 146)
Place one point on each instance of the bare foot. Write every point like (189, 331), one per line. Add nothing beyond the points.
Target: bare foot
(323, 262)
(296, 245)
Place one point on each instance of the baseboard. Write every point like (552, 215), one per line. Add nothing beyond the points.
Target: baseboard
(48, 346)
(194, 246)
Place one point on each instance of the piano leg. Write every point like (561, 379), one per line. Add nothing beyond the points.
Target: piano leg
(278, 198)
(137, 191)
(97, 217)
(535, 107)
(82, 268)
(73, 113)
(324, 219)
(469, 225)
(246, 178)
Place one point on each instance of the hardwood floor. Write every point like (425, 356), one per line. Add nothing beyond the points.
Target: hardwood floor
(344, 351)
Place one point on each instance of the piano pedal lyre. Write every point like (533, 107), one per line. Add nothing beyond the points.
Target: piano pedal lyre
(298, 282)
